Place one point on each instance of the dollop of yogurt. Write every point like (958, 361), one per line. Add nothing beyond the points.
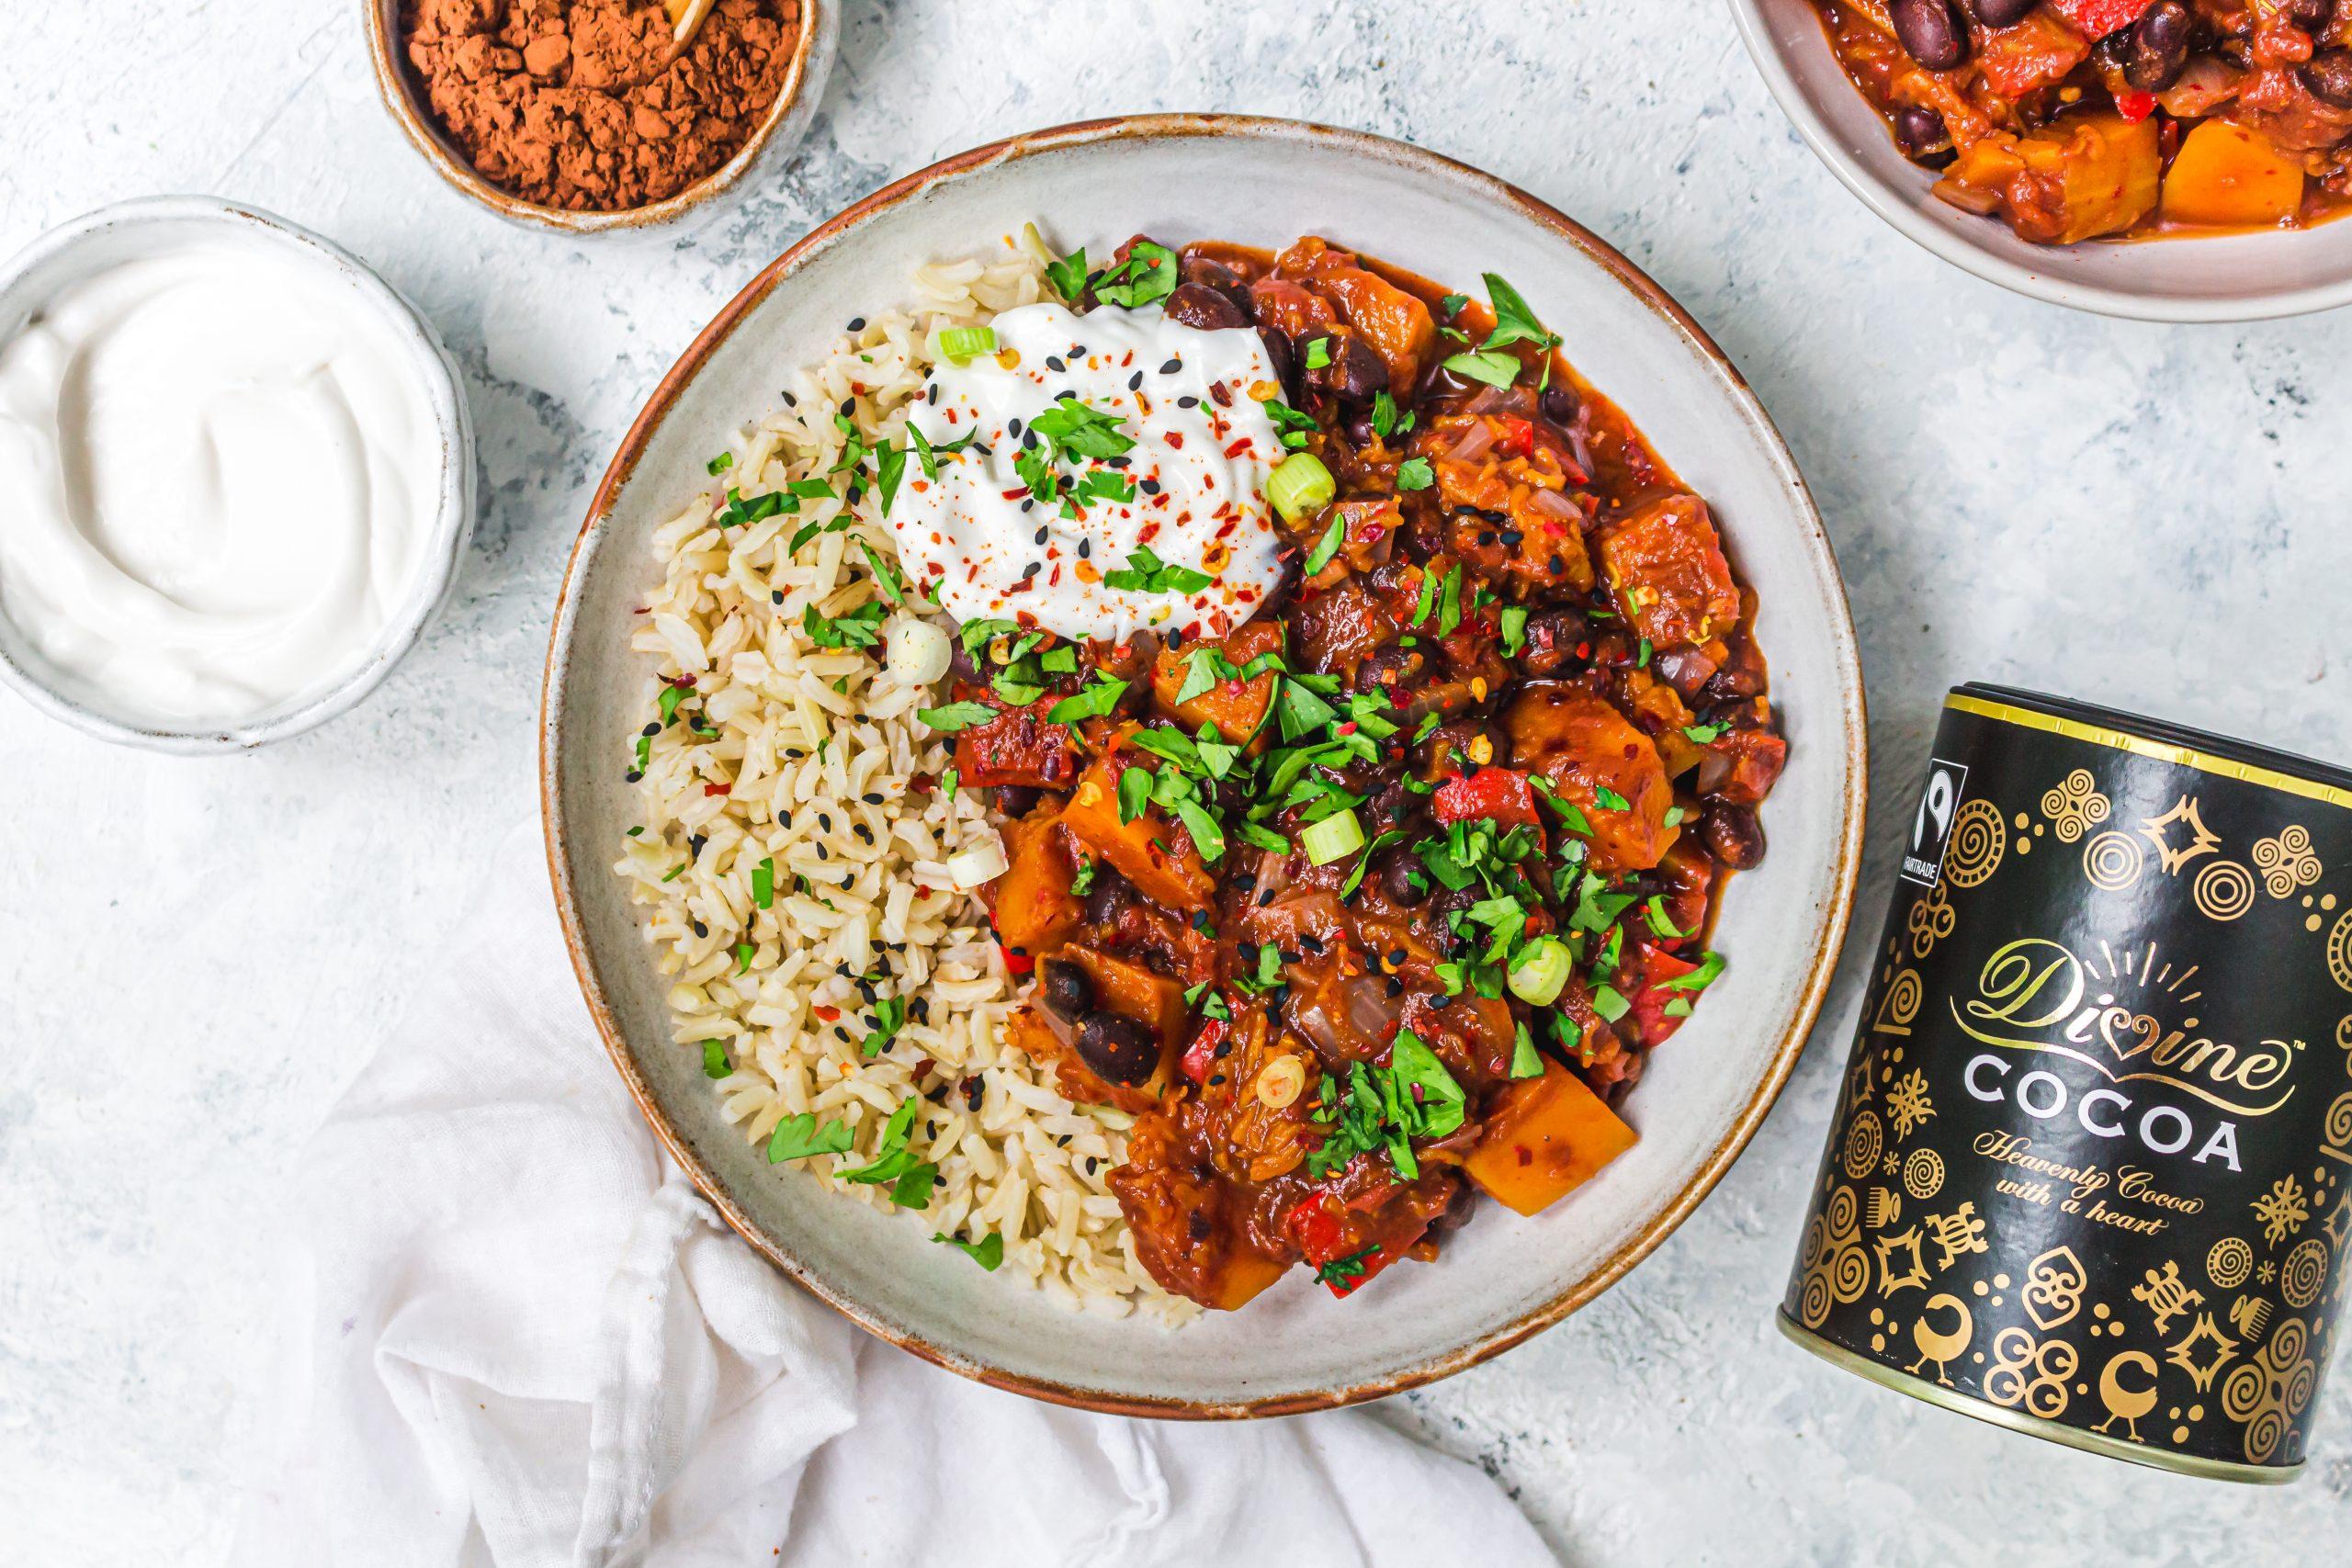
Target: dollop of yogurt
(218, 471)
(1192, 404)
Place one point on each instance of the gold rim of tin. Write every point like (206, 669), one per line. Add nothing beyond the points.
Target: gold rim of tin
(2160, 750)
(2032, 1425)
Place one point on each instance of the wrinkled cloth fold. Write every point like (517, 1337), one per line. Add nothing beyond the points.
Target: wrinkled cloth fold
(516, 1336)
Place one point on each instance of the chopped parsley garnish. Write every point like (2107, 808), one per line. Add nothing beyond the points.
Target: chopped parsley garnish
(1097, 701)
(988, 1252)
(1609, 1004)
(1525, 1061)
(1493, 367)
(889, 1017)
(1082, 883)
(861, 627)
(801, 1136)
(955, 716)
(1146, 277)
(715, 1064)
(1514, 627)
(895, 1162)
(1342, 1272)
(1414, 473)
(764, 883)
(1068, 275)
(1609, 799)
(1700, 734)
(1146, 573)
(1699, 979)
(719, 464)
(1292, 425)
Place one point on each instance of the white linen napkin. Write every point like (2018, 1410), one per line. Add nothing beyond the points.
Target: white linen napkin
(517, 1337)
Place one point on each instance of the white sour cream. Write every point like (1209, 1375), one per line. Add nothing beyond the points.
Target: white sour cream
(218, 472)
(1204, 448)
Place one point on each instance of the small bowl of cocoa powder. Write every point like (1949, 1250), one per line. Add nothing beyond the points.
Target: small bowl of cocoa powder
(586, 116)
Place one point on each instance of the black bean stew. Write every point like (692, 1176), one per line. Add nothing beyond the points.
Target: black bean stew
(1380, 900)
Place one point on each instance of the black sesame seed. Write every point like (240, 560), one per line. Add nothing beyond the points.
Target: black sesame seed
(1027, 503)
(1134, 382)
(1511, 536)
(1215, 1079)
(1053, 362)
(857, 323)
(1033, 568)
(872, 797)
(849, 408)
(631, 776)
(1013, 425)
(1265, 897)
(931, 394)
(824, 853)
(1029, 440)
(784, 816)
(1175, 636)
(1085, 549)
(1188, 401)
(825, 820)
(840, 1035)
(1556, 566)
(1173, 367)
(651, 729)
(776, 595)
(1396, 955)
(1091, 1164)
(863, 831)
(849, 880)
(1149, 487)
(701, 930)
(920, 1009)
(1062, 1141)
(1040, 538)
(1396, 987)
(1224, 1049)
(695, 845)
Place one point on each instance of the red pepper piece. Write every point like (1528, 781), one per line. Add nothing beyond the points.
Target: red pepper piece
(1202, 1051)
(2096, 18)
(1518, 438)
(2135, 106)
(1016, 963)
(1499, 796)
(1650, 968)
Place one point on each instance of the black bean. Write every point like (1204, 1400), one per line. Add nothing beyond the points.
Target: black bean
(2000, 13)
(1198, 305)
(1440, 385)
(1065, 987)
(1921, 132)
(1356, 424)
(1392, 669)
(1106, 898)
(1734, 682)
(1403, 878)
(1553, 636)
(1929, 32)
(2157, 51)
(1356, 371)
(2328, 76)
(1278, 350)
(1732, 834)
(1016, 800)
(1119, 1049)
(1559, 403)
(2307, 13)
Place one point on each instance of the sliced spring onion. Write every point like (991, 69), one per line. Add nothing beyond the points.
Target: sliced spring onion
(1541, 972)
(962, 345)
(1335, 838)
(981, 863)
(916, 652)
(1300, 487)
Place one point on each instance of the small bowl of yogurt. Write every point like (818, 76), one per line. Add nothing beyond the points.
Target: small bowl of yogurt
(238, 471)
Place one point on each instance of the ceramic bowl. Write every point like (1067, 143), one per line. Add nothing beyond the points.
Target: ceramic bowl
(127, 230)
(787, 120)
(2223, 278)
(1503, 1278)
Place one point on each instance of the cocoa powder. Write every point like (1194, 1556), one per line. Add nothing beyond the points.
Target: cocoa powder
(578, 104)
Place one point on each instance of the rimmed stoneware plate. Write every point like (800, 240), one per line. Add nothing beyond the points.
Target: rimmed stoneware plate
(1263, 182)
(2222, 277)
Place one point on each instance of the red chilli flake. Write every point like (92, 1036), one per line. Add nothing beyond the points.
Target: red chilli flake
(716, 789)
(1238, 447)
(826, 1014)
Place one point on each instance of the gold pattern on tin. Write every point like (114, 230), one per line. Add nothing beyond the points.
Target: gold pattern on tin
(2288, 863)
(1865, 1140)
(2268, 1392)
(2127, 1402)
(2203, 1351)
(2230, 1262)
(2282, 1210)
(2075, 806)
(2113, 861)
(1908, 1104)
(1923, 1174)
(2224, 890)
(2250, 1315)
(2194, 838)
(1882, 1209)
(2030, 1372)
(2339, 951)
(2168, 1295)
(1956, 1233)
(1941, 1344)
(2304, 1274)
(1910, 1247)
(2054, 1283)
(1899, 1007)
(1979, 840)
(1932, 919)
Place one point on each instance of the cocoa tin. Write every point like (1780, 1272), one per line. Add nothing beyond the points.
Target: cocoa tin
(2091, 1172)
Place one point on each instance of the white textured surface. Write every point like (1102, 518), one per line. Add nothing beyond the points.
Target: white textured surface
(195, 953)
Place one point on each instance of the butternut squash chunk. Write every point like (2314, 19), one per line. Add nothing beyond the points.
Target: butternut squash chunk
(2096, 173)
(1236, 707)
(1032, 903)
(2226, 173)
(1548, 1137)
(1139, 850)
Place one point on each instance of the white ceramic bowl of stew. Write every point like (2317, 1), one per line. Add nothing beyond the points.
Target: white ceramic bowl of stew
(1503, 1278)
(2204, 278)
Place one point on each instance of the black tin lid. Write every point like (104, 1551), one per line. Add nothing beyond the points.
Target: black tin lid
(2174, 743)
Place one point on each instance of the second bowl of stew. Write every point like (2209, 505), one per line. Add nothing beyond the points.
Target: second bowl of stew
(2171, 160)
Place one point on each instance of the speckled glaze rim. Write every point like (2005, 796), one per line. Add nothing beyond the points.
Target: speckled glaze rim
(1898, 207)
(1474, 185)
(453, 526)
(787, 118)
